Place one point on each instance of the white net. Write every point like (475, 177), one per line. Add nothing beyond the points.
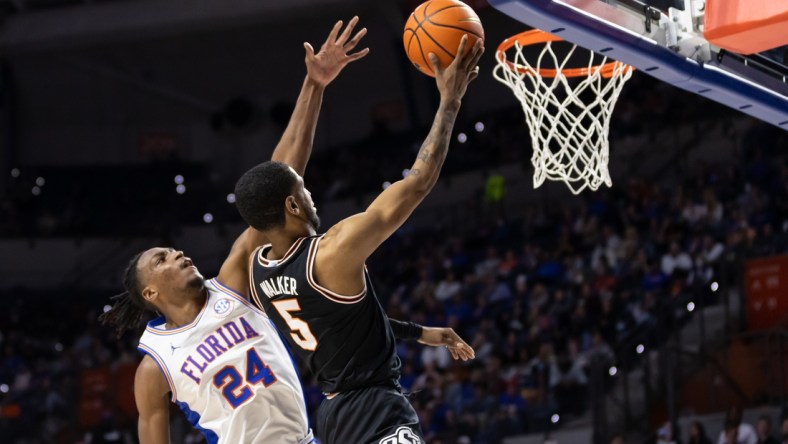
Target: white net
(567, 110)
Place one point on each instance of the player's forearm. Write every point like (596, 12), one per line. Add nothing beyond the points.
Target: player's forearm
(405, 330)
(295, 146)
(426, 169)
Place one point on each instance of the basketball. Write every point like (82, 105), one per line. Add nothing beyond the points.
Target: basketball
(437, 26)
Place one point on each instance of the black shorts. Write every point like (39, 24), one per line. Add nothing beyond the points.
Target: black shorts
(372, 415)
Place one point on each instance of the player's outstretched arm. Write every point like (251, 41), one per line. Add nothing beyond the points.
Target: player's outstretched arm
(433, 336)
(295, 146)
(150, 393)
(348, 244)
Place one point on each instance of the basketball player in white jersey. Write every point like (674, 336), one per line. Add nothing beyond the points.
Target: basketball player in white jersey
(220, 358)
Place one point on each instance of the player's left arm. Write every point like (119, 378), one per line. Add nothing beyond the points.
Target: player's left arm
(295, 146)
(433, 336)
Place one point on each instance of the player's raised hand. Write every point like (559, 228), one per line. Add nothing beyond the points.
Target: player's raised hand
(446, 337)
(334, 55)
(454, 79)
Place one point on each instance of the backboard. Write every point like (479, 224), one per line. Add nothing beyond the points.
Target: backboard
(667, 41)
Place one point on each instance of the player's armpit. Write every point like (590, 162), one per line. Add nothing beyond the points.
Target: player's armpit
(151, 395)
(235, 269)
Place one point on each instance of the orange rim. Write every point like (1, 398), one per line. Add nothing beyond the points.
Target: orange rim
(536, 36)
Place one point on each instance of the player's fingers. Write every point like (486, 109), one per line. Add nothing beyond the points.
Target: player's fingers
(347, 32)
(467, 349)
(310, 51)
(435, 62)
(475, 54)
(461, 50)
(357, 55)
(332, 36)
(356, 38)
(473, 74)
(454, 353)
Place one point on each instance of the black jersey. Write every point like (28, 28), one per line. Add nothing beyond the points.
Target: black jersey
(346, 341)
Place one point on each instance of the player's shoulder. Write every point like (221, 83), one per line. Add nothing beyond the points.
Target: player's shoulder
(148, 370)
(149, 384)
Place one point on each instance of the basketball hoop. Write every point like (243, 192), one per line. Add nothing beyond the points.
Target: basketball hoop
(568, 133)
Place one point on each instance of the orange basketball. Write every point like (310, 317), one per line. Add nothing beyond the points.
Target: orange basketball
(437, 26)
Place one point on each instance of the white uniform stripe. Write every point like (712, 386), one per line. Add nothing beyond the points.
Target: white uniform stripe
(336, 297)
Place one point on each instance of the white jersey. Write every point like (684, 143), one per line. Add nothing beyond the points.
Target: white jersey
(230, 372)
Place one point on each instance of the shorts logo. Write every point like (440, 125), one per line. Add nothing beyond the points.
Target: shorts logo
(403, 435)
(222, 307)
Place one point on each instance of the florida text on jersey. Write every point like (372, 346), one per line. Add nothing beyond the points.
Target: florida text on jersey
(230, 373)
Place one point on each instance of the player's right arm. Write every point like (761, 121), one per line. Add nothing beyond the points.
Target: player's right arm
(153, 403)
(347, 245)
(295, 145)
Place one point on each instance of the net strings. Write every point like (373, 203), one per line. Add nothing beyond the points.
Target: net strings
(568, 135)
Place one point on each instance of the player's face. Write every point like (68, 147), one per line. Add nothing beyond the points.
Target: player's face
(304, 198)
(166, 270)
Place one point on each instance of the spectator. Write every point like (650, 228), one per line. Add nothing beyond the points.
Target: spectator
(784, 430)
(447, 287)
(675, 260)
(697, 434)
(665, 434)
(743, 433)
(764, 430)
(729, 433)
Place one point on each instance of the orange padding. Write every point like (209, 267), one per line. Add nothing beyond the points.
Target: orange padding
(746, 26)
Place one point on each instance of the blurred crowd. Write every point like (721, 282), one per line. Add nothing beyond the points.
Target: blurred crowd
(733, 430)
(551, 301)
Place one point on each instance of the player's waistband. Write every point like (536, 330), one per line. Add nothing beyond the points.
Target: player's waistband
(332, 395)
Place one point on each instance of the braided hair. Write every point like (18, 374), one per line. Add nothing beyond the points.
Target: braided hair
(129, 310)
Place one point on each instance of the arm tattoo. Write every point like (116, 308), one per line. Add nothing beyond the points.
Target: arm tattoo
(436, 144)
(424, 154)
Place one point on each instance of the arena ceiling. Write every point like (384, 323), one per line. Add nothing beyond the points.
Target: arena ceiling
(35, 25)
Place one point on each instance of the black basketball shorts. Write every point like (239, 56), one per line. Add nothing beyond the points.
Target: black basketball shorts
(371, 415)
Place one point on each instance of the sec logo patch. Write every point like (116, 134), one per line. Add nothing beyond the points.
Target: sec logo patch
(222, 307)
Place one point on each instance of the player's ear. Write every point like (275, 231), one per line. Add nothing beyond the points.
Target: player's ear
(291, 206)
(149, 294)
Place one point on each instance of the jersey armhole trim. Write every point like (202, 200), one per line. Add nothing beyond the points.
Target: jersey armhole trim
(252, 287)
(145, 350)
(230, 292)
(310, 277)
(275, 263)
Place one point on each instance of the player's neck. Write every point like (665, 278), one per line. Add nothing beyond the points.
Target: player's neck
(186, 313)
(281, 241)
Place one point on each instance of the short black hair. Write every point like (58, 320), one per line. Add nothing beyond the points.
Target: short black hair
(261, 192)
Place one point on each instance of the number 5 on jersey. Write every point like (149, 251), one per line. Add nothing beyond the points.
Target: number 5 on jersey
(299, 330)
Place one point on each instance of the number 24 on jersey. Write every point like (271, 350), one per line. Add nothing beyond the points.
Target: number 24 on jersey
(235, 388)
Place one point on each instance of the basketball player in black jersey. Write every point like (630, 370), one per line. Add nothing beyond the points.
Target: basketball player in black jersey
(316, 288)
